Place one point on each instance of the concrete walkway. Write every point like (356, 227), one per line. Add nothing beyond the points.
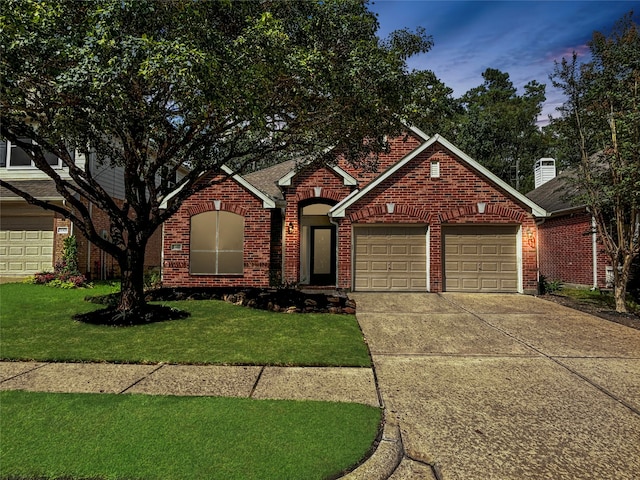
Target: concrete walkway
(505, 387)
(288, 383)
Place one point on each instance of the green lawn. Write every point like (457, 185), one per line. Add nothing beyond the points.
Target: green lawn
(100, 436)
(36, 324)
(83, 436)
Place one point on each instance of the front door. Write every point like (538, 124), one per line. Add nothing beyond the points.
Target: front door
(323, 255)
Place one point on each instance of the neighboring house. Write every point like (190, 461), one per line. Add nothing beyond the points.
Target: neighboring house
(31, 238)
(431, 219)
(568, 246)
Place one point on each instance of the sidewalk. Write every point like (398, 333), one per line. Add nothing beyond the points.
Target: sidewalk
(285, 383)
(333, 384)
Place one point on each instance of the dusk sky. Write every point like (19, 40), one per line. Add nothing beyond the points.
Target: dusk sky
(522, 38)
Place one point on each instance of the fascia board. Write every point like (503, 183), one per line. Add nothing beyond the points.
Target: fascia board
(267, 202)
(536, 210)
(347, 179)
(338, 206)
(339, 210)
(418, 132)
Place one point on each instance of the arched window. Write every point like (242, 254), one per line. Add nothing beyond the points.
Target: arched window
(217, 243)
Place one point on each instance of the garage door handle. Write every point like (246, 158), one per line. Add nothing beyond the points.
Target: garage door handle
(388, 266)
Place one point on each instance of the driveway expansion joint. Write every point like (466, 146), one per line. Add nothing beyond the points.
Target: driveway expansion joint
(144, 377)
(255, 384)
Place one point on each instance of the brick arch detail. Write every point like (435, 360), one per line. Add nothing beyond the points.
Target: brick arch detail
(399, 210)
(210, 206)
(332, 194)
(490, 209)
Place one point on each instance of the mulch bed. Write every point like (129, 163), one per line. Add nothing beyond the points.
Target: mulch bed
(627, 319)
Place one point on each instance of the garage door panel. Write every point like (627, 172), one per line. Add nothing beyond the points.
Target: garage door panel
(480, 259)
(402, 250)
(399, 266)
(380, 250)
(469, 250)
(390, 258)
(27, 245)
(378, 266)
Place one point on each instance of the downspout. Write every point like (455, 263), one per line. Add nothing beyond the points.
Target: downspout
(538, 224)
(594, 247)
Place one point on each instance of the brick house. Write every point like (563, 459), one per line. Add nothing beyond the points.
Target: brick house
(431, 219)
(31, 238)
(569, 248)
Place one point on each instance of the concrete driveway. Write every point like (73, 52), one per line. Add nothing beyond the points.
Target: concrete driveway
(505, 387)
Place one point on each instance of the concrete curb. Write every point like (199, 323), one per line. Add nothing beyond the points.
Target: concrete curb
(387, 456)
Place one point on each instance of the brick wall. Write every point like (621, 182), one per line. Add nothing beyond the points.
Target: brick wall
(303, 190)
(447, 200)
(97, 264)
(257, 245)
(398, 148)
(565, 246)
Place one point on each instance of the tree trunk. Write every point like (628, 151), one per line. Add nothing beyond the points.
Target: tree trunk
(132, 299)
(621, 278)
(619, 293)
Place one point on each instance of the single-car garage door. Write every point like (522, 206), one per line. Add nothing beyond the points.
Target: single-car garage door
(390, 258)
(480, 259)
(26, 245)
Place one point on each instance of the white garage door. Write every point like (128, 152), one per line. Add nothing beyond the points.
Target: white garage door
(390, 258)
(480, 259)
(26, 245)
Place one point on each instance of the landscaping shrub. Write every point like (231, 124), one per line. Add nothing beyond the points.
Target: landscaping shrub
(66, 273)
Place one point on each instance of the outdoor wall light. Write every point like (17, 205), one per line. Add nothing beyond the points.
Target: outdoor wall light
(481, 207)
(290, 228)
(531, 239)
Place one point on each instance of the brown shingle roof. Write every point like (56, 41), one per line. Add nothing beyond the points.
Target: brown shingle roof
(40, 189)
(558, 194)
(266, 179)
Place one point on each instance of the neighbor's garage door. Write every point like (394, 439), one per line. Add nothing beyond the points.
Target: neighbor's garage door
(480, 259)
(26, 245)
(390, 258)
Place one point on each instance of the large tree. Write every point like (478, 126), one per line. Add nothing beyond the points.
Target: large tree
(498, 127)
(601, 125)
(157, 87)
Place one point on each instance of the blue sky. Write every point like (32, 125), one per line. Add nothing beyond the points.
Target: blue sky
(522, 38)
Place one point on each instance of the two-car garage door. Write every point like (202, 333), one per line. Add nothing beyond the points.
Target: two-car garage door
(476, 258)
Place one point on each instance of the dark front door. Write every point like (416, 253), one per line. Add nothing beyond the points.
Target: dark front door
(323, 255)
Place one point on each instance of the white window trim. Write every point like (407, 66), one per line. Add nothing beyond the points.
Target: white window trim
(31, 166)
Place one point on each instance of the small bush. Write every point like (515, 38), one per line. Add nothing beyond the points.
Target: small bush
(152, 280)
(65, 273)
(549, 286)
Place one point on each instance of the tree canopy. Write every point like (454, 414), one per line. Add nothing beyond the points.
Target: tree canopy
(498, 127)
(600, 126)
(160, 87)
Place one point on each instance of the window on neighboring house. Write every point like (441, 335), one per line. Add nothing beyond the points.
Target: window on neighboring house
(13, 156)
(217, 243)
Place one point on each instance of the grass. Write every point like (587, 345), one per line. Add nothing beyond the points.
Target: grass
(598, 298)
(103, 436)
(49, 435)
(36, 324)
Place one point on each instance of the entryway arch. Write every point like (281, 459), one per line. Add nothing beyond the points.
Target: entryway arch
(318, 265)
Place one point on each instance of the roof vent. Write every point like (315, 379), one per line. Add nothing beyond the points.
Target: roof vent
(544, 171)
